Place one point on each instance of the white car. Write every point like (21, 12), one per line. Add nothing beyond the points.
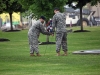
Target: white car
(71, 19)
(7, 27)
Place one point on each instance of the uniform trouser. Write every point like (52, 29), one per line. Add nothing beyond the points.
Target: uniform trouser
(33, 43)
(61, 40)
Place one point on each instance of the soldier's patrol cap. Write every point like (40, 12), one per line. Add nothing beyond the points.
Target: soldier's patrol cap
(56, 8)
(42, 17)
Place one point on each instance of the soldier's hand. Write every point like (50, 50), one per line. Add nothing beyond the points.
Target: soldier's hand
(52, 34)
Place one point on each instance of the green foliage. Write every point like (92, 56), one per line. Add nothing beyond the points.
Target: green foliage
(82, 2)
(94, 2)
(2, 6)
(10, 6)
(26, 3)
(15, 59)
(43, 7)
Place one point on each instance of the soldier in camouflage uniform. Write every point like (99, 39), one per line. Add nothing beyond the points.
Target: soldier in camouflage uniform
(33, 35)
(59, 23)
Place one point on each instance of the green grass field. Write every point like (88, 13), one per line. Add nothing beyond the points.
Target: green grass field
(15, 58)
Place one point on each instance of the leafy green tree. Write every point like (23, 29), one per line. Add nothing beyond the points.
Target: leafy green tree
(80, 4)
(10, 6)
(43, 7)
(94, 2)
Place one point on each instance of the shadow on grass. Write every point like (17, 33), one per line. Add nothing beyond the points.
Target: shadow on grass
(12, 30)
(3, 40)
(46, 43)
(81, 31)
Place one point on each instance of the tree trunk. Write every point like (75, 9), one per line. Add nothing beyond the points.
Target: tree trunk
(10, 14)
(21, 21)
(47, 40)
(81, 18)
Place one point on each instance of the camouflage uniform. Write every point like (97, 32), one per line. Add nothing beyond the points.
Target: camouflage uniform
(33, 35)
(59, 23)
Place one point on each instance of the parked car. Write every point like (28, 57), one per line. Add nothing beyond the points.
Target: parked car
(73, 17)
(7, 27)
(97, 19)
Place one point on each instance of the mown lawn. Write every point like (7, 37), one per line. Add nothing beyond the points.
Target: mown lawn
(15, 58)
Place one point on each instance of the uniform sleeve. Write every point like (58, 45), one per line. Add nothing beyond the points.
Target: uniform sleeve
(43, 31)
(53, 23)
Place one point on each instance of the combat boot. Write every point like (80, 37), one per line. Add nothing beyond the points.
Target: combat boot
(65, 53)
(38, 54)
(32, 55)
(58, 53)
